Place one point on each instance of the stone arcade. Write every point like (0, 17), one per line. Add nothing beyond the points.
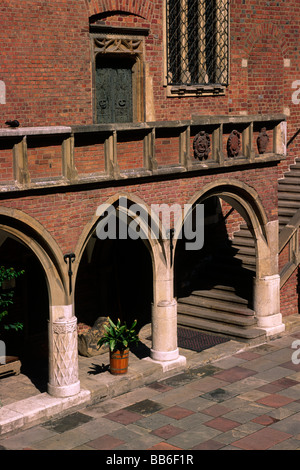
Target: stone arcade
(190, 122)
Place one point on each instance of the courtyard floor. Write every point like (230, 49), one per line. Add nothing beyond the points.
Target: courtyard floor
(230, 397)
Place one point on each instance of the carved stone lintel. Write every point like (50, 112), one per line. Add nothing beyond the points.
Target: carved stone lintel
(262, 141)
(112, 44)
(201, 145)
(234, 144)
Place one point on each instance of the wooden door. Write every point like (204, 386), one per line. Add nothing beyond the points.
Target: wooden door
(114, 90)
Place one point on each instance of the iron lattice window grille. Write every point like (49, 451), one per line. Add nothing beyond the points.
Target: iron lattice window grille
(197, 42)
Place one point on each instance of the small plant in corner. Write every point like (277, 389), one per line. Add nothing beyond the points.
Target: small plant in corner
(118, 336)
(7, 278)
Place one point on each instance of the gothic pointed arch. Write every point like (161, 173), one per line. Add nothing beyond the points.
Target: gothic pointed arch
(32, 234)
(143, 9)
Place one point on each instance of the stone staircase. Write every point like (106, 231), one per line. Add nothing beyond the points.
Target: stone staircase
(223, 306)
(219, 310)
(222, 301)
(244, 245)
(289, 194)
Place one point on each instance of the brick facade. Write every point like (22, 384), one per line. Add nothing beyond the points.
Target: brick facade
(47, 71)
(46, 66)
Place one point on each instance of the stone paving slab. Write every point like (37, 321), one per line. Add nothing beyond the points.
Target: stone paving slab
(235, 402)
(22, 404)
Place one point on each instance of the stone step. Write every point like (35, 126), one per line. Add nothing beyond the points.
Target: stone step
(245, 250)
(216, 315)
(240, 259)
(287, 211)
(295, 171)
(288, 203)
(295, 166)
(216, 305)
(224, 293)
(239, 241)
(244, 231)
(293, 176)
(289, 188)
(283, 221)
(230, 331)
(289, 196)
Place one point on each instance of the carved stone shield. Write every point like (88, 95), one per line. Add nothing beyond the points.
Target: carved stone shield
(262, 141)
(234, 144)
(201, 145)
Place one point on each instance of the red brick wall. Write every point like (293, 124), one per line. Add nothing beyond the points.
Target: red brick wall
(89, 154)
(289, 296)
(46, 59)
(44, 157)
(232, 219)
(6, 160)
(46, 66)
(65, 215)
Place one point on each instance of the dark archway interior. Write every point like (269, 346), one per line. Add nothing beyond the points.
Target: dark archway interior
(215, 263)
(30, 307)
(114, 279)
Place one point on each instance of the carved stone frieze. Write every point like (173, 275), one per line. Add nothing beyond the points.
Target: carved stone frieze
(110, 45)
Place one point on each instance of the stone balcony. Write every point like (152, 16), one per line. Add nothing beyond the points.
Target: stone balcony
(43, 157)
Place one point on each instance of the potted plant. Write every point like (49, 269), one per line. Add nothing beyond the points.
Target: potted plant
(118, 337)
(8, 364)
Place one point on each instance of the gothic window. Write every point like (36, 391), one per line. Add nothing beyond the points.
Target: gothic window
(197, 42)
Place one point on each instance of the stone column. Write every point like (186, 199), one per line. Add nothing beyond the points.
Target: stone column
(267, 304)
(164, 331)
(164, 314)
(63, 357)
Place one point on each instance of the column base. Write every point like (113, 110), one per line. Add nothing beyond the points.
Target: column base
(64, 391)
(272, 324)
(178, 363)
(162, 356)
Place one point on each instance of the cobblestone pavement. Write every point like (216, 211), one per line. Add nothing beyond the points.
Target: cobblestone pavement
(248, 401)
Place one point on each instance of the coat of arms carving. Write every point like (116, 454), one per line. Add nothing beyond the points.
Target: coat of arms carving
(234, 144)
(262, 141)
(201, 145)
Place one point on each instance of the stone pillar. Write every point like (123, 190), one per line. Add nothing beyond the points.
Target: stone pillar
(267, 304)
(63, 357)
(164, 331)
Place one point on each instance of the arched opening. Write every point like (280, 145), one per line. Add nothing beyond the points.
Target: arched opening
(30, 307)
(114, 277)
(41, 295)
(214, 286)
(219, 262)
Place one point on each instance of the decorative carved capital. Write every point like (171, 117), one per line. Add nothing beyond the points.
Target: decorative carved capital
(65, 326)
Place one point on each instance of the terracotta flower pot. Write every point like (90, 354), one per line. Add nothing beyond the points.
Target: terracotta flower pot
(119, 361)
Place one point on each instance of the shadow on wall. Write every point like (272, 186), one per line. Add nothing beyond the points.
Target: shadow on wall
(215, 263)
(114, 279)
(30, 307)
